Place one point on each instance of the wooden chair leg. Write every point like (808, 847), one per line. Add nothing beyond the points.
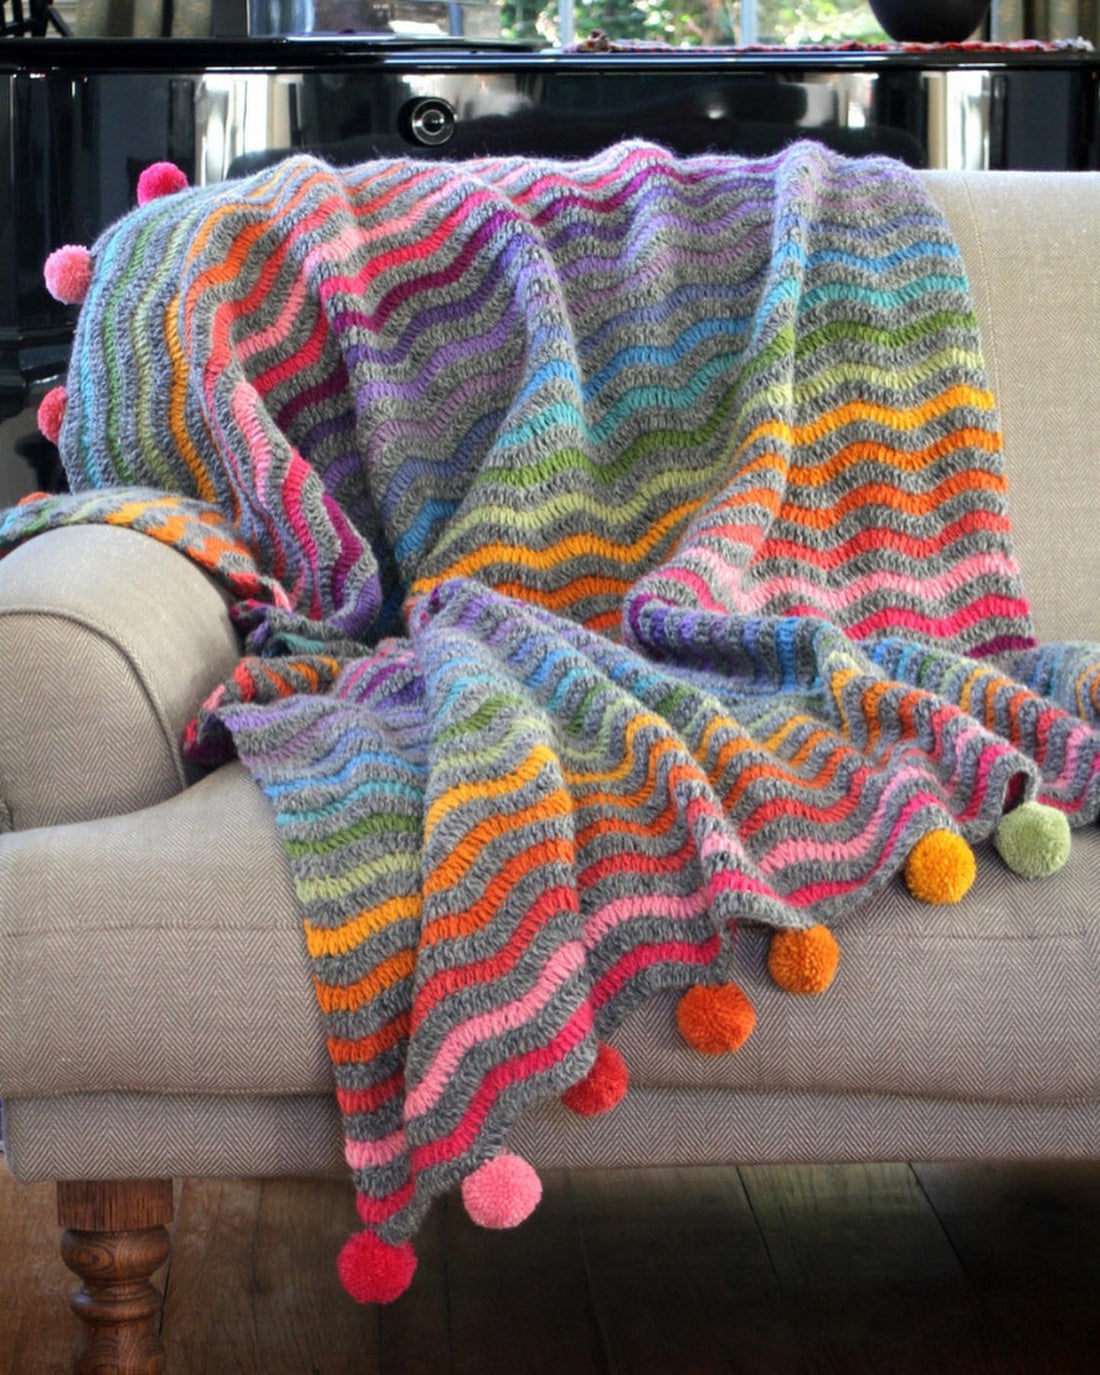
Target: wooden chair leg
(114, 1238)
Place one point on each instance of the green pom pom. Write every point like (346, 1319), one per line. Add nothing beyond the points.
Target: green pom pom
(1033, 840)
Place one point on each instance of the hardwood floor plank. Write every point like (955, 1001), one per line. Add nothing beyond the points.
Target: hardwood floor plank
(867, 1272)
(681, 1278)
(253, 1284)
(849, 1271)
(414, 1331)
(37, 1332)
(518, 1298)
(1029, 1236)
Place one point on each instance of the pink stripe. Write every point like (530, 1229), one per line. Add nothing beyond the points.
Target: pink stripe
(987, 606)
(277, 331)
(610, 178)
(613, 914)
(678, 573)
(735, 881)
(297, 474)
(827, 599)
(416, 250)
(643, 956)
(791, 851)
(500, 1077)
(376, 1210)
(361, 1154)
(245, 402)
(561, 966)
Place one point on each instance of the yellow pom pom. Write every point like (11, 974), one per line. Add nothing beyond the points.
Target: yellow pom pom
(803, 961)
(940, 868)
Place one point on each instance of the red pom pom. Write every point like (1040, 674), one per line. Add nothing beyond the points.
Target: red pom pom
(603, 1085)
(161, 179)
(501, 1193)
(715, 1018)
(52, 412)
(68, 273)
(372, 1271)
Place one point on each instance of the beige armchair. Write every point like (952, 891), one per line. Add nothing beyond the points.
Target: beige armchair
(156, 1012)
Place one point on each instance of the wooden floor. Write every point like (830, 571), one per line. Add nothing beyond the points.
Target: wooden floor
(930, 1268)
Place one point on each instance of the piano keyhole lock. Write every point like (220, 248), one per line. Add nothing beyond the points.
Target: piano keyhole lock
(428, 121)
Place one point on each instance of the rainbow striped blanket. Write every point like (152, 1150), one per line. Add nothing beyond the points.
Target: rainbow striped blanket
(621, 553)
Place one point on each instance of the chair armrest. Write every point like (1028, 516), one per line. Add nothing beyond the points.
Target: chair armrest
(109, 641)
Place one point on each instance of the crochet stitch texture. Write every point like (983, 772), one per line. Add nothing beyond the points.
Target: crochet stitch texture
(623, 554)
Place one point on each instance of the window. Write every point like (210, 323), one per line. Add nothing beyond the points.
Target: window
(694, 22)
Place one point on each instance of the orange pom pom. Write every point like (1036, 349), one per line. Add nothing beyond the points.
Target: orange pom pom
(804, 961)
(715, 1019)
(940, 868)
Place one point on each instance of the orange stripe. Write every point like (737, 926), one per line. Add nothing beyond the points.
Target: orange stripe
(453, 925)
(362, 1051)
(333, 998)
(451, 870)
(338, 940)
(176, 406)
(818, 474)
(571, 547)
(883, 494)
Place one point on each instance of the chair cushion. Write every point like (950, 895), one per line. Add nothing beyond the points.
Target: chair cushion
(1036, 292)
(108, 643)
(162, 953)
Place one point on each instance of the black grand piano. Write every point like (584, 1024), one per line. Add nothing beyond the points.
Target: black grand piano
(80, 119)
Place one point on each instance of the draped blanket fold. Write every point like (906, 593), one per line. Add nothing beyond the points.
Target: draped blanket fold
(622, 553)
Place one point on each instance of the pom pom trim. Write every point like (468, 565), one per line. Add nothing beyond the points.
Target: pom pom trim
(1033, 840)
(804, 961)
(160, 179)
(373, 1271)
(502, 1193)
(715, 1019)
(68, 273)
(940, 868)
(51, 413)
(602, 1087)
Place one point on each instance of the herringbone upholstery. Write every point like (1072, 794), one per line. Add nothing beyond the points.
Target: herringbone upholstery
(1029, 245)
(188, 913)
(132, 1136)
(106, 644)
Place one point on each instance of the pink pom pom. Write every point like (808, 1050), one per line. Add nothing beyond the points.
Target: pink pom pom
(52, 412)
(161, 179)
(602, 1087)
(502, 1192)
(372, 1271)
(68, 273)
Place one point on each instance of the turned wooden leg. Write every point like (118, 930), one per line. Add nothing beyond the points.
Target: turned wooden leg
(114, 1239)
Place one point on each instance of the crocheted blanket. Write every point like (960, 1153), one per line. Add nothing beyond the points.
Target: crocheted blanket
(622, 554)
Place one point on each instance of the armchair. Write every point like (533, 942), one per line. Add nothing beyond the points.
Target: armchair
(133, 1049)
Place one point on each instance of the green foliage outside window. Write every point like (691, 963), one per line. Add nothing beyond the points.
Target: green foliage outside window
(698, 21)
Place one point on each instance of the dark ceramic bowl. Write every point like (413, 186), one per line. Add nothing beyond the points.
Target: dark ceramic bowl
(929, 21)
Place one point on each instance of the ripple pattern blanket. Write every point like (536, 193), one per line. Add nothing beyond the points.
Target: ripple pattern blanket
(623, 555)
